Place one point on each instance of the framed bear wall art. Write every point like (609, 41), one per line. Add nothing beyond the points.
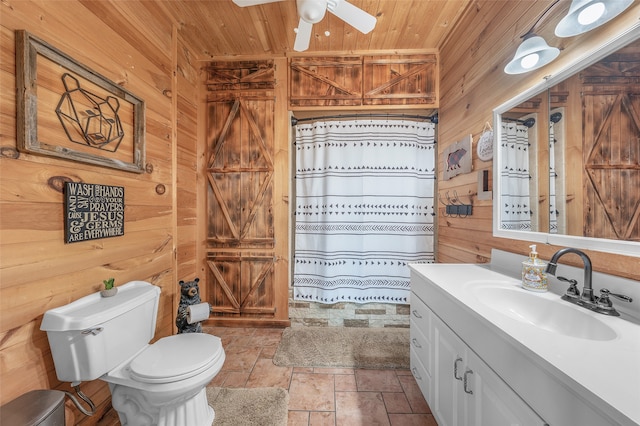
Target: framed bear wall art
(69, 111)
(457, 158)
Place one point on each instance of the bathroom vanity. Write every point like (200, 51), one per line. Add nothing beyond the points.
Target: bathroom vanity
(484, 351)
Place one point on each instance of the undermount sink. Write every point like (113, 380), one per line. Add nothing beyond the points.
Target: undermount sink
(539, 310)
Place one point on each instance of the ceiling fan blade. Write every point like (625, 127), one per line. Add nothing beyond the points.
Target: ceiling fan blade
(303, 37)
(245, 3)
(352, 15)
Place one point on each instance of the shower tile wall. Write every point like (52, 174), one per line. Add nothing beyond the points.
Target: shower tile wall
(347, 314)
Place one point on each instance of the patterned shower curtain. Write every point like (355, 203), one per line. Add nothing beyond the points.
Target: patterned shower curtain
(514, 178)
(364, 208)
(557, 208)
(553, 207)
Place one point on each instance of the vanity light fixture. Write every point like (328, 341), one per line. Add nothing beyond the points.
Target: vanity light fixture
(533, 52)
(585, 15)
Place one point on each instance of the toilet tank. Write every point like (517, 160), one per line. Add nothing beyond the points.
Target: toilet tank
(94, 334)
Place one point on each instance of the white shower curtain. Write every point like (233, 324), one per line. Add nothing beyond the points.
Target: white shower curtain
(553, 208)
(364, 208)
(557, 207)
(514, 177)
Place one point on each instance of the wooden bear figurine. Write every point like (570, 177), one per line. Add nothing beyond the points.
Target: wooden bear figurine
(189, 295)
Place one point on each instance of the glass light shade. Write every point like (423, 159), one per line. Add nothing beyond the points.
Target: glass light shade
(583, 15)
(533, 53)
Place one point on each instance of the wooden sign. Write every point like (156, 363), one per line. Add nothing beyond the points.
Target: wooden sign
(92, 211)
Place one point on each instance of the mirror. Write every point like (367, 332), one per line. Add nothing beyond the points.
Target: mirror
(567, 156)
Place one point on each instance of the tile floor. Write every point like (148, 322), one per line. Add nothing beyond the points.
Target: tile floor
(321, 396)
(317, 396)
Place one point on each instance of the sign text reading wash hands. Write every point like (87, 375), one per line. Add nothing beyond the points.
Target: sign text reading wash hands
(93, 211)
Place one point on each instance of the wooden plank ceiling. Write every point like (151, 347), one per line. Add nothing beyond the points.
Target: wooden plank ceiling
(215, 28)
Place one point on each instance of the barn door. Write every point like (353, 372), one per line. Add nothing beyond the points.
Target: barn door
(239, 174)
(611, 159)
(239, 201)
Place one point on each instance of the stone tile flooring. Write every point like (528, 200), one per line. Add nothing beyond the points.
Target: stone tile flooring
(321, 396)
(317, 396)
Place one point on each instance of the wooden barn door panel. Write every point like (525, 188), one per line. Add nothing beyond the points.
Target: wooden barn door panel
(325, 81)
(240, 175)
(400, 80)
(244, 221)
(241, 285)
(612, 163)
(364, 81)
(241, 258)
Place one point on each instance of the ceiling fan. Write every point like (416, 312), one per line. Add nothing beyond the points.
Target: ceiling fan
(312, 11)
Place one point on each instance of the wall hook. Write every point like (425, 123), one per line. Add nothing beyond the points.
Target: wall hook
(454, 207)
(446, 210)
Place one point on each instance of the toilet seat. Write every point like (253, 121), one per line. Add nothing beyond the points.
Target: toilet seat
(175, 358)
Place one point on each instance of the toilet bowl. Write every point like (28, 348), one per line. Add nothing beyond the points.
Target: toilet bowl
(162, 384)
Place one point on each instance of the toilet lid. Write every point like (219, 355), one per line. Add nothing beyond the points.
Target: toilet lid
(176, 358)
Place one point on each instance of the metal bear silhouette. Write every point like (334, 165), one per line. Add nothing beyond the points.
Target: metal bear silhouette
(87, 118)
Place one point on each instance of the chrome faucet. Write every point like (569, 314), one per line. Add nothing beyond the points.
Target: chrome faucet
(587, 300)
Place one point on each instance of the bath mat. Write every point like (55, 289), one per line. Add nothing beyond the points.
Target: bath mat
(343, 347)
(249, 407)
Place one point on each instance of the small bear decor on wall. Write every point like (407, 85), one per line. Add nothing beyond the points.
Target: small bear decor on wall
(190, 310)
(457, 158)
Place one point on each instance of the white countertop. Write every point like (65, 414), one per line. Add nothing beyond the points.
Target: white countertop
(608, 369)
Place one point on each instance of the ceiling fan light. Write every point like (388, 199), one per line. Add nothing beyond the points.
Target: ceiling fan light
(585, 15)
(533, 53)
(311, 11)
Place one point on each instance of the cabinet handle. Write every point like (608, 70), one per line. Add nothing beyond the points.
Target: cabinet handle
(455, 369)
(415, 373)
(466, 389)
(416, 314)
(415, 343)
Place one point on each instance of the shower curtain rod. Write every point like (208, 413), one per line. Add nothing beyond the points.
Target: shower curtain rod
(433, 118)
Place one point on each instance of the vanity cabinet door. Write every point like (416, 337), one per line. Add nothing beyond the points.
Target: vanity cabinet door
(491, 402)
(467, 392)
(449, 354)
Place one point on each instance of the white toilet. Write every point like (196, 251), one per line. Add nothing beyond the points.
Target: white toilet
(107, 338)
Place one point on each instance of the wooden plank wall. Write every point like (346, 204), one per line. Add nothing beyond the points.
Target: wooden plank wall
(139, 48)
(186, 96)
(473, 84)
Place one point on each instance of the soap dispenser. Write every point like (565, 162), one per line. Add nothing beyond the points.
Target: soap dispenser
(533, 275)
